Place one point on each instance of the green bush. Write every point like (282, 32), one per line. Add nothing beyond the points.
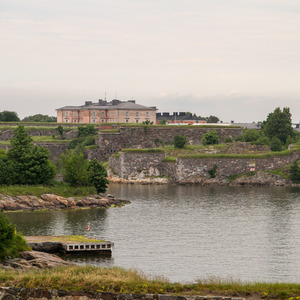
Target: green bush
(10, 242)
(210, 138)
(87, 130)
(213, 172)
(228, 140)
(250, 135)
(295, 172)
(276, 144)
(179, 141)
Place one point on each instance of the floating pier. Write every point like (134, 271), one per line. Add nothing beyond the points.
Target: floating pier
(70, 244)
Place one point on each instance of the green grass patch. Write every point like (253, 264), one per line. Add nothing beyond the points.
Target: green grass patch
(63, 190)
(91, 147)
(64, 239)
(119, 280)
(171, 159)
(242, 156)
(117, 155)
(146, 150)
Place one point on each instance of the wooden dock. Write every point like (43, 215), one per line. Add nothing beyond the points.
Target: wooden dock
(69, 245)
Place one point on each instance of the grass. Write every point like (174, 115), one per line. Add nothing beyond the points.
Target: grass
(91, 147)
(65, 239)
(145, 150)
(92, 279)
(63, 190)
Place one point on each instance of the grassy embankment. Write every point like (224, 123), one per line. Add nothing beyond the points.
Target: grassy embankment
(93, 279)
(63, 190)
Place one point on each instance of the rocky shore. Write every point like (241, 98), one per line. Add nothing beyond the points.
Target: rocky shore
(54, 202)
(34, 260)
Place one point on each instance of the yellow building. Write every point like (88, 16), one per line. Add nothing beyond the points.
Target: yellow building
(114, 111)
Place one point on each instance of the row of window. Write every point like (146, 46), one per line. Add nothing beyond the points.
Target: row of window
(112, 114)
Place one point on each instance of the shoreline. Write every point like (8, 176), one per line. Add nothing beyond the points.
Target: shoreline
(55, 202)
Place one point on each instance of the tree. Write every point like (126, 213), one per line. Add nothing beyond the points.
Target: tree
(74, 168)
(10, 242)
(210, 138)
(39, 118)
(30, 164)
(60, 130)
(212, 119)
(179, 141)
(98, 176)
(9, 116)
(279, 125)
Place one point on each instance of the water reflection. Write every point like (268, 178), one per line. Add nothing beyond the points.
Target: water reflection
(189, 232)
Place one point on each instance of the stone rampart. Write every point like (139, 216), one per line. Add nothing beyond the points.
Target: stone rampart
(139, 165)
(35, 293)
(151, 137)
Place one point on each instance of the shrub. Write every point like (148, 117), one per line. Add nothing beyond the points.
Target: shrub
(10, 242)
(87, 130)
(250, 135)
(276, 144)
(213, 172)
(228, 140)
(263, 140)
(210, 138)
(295, 172)
(179, 141)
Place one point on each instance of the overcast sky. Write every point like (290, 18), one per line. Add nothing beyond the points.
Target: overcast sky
(236, 59)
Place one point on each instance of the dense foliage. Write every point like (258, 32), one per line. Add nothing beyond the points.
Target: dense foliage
(25, 163)
(295, 172)
(39, 118)
(279, 125)
(179, 141)
(9, 116)
(87, 130)
(10, 242)
(78, 171)
(210, 138)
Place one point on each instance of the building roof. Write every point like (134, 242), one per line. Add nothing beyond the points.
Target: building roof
(113, 105)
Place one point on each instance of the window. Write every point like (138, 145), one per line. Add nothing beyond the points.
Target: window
(102, 121)
(75, 114)
(67, 120)
(94, 113)
(75, 120)
(66, 113)
(102, 114)
(127, 120)
(136, 121)
(127, 114)
(147, 113)
(137, 113)
(94, 121)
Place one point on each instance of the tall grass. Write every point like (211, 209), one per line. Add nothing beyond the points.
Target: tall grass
(93, 279)
(63, 190)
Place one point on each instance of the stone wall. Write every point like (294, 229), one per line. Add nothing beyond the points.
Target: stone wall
(151, 137)
(139, 165)
(133, 165)
(12, 293)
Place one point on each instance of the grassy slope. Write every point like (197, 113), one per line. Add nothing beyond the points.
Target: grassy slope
(63, 190)
(93, 279)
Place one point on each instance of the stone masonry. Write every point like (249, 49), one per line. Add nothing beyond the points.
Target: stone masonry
(152, 137)
(139, 165)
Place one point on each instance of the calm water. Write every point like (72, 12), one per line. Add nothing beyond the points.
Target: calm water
(188, 233)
